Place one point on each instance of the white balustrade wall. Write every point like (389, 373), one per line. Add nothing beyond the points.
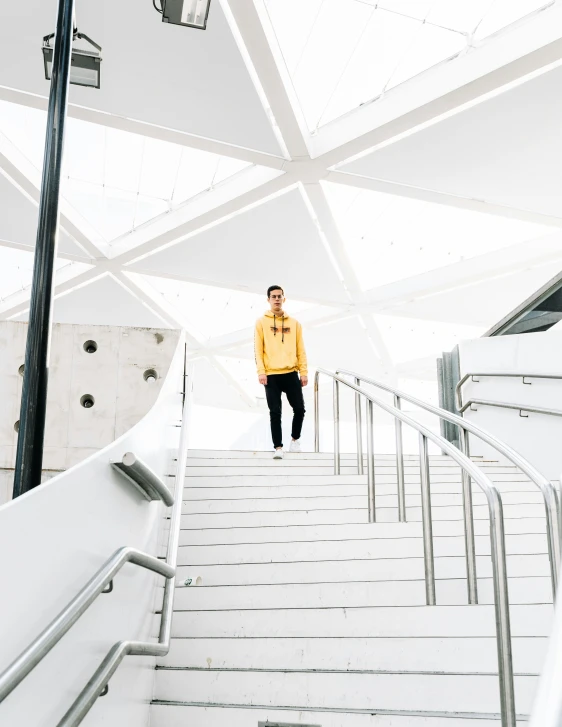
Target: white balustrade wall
(536, 436)
(54, 538)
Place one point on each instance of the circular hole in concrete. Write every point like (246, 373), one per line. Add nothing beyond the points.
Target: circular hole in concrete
(20, 370)
(150, 376)
(17, 426)
(90, 347)
(87, 401)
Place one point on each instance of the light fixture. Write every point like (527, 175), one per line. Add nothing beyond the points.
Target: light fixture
(85, 65)
(190, 13)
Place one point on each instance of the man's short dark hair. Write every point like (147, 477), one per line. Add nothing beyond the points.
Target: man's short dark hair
(274, 287)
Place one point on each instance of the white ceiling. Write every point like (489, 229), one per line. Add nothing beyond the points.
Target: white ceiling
(212, 164)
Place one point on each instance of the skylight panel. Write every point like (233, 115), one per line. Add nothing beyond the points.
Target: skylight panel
(343, 53)
(390, 238)
(504, 12)
(160, 162)
(16, 270)
(115, 179)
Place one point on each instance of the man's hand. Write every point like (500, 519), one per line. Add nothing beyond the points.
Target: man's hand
(304, 380)
(262, 378)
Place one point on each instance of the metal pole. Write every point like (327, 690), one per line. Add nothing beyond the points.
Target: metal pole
(359, 429)
(316, 414)
(370, 463)
(400, 465)
(427, 523)
(468, 513)
(29, 457)
(337, 456)
(501, 603)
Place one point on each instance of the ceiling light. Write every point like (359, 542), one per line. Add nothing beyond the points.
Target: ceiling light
(85, 63)
(190, 13)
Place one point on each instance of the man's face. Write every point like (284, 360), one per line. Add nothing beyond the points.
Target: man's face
(276, 300)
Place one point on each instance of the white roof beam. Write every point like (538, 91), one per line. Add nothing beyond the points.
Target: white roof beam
(449, 200)
(65, 282)
(143, 128)
(31, 249)
(250, 401)
(206, 219)
(249, 20)
(20, 172)
(508, 59)
(324, 219)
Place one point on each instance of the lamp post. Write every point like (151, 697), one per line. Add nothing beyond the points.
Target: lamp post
(29, 456)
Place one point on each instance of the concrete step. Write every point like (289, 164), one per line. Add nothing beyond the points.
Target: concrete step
(342, 532)
(332, 516)
(227, 454)
(349, 550)
(295, 460)
(423, 692)
(334, 502)
(280, 467)
(450, 592)
(404, 622)
(201, 715)
(341, 571)
(429, 654)
(264, 490)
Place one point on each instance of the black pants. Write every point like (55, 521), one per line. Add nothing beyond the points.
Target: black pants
(291, 385)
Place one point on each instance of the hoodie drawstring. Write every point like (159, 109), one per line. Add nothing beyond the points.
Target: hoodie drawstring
(282, 327)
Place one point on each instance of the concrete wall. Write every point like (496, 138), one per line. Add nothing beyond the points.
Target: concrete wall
(536, 436)
(113, 376)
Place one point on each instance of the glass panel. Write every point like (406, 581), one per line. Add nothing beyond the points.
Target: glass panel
(389, 238)
(504, 12)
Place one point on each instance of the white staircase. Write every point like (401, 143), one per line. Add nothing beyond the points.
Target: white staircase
(307, 615)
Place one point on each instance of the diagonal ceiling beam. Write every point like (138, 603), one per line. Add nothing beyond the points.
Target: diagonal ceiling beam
(121, 123)
(324, 219)
(23, 176)
(31, 249)
(207, 219)
(449, 200)
(250, 20)
(508, 59)
(65, 281)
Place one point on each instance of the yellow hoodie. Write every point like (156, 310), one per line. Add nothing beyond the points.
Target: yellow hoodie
(279, 346)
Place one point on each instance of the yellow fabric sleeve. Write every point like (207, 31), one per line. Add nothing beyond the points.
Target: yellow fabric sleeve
(301, 353)
(258, 348)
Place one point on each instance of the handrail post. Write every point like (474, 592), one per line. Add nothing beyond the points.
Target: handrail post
(468, 514)
(359, 429)
(501, 602)
(337, 456)
(316, 413)
(427, 523)
(370, 463)
(400, 464)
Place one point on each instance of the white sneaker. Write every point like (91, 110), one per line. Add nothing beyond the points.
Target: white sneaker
(278, 454)
(295, 446)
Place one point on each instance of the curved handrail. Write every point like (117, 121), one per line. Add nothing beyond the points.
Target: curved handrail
(497, 535)
(517, 407)
(52, 634)
(458, 387)
(99, 680)
(548, 490)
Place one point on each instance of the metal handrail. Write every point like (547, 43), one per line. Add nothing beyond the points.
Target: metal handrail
(99, 680)
(466, 377)
(517, 407)
(495, 509)
(548, 490)
(52, 634)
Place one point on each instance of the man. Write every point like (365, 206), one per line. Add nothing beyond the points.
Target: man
(280, 357)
